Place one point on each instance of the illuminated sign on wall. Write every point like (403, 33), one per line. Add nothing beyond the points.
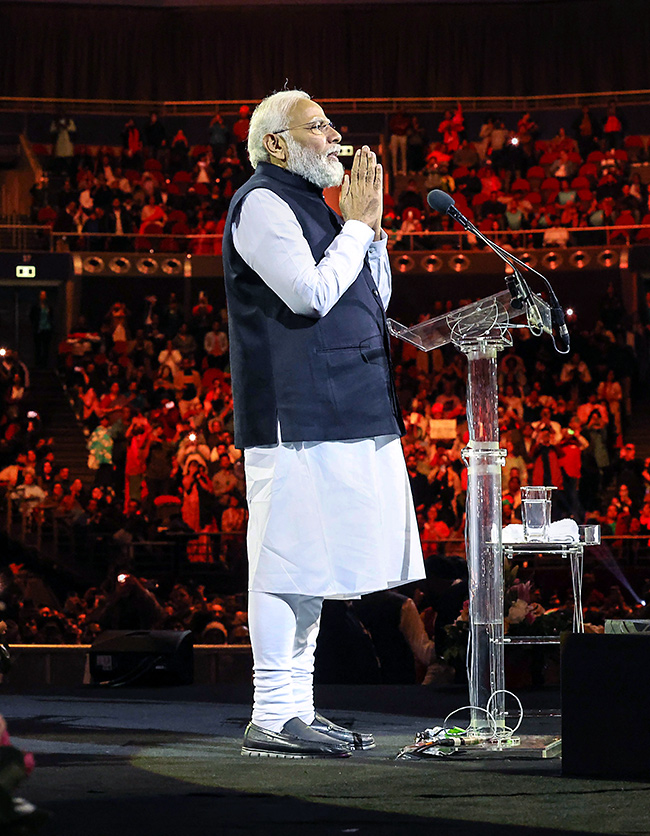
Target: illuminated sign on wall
(25, 271)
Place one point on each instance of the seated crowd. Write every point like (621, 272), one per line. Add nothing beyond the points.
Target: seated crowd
(152, 185)
(152, 191)
(525, 190)
(125, 604)
(161, 462)
(152, 392)
(562, 422)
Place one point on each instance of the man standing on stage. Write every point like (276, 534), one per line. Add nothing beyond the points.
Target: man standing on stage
(331, 514)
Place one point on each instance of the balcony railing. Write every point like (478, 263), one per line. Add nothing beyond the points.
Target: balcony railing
(614, 236)
(33, 237)
(229, 107)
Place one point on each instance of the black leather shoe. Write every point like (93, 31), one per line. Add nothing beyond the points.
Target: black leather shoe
(296, 740)
(358, 740)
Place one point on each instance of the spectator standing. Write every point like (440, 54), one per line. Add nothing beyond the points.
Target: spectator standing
(546, 465)
(187, 376)
(450, 129)
(596, 462)
(29, 494)
(398, 127)
(217, 136)
(184, 342)
(233, 520)
(155, 136)
(100, 452)
(240, 134)
(629, 471)
(197, 510)
(42, 322)
(614, 126)
(62, 131)
(434, 531)
(120, 223)
(179, 154)
(586, 130)
(215, 344)
(132, 144)
(610, 390)
(575, 378)
(498, 140)
(513, 462)
(171, 317)
(418, 482)
(570, 457)
(484, 144)
(159, 467)
(224, 481)
(171, 358)
(138, 438)
(416, 143)
(202, 317)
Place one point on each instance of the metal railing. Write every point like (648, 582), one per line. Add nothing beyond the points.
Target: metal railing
(24, 237)
(230, 107)
(176, 552)
(173, 554)
(195, 243)
(529, 238)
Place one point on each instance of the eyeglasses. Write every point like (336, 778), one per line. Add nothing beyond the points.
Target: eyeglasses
(314, 127)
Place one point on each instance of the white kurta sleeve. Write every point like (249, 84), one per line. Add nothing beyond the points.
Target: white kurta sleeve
(380, 268)
(268, 237)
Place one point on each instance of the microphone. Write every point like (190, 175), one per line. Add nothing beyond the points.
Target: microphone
(440, 201)
(444, 203)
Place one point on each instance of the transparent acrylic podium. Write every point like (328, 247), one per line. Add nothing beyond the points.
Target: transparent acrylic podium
(480, 331)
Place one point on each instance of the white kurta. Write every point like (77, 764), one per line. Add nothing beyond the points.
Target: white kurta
(333, 519)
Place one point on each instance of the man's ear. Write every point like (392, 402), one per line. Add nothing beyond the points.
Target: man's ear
(276, 148)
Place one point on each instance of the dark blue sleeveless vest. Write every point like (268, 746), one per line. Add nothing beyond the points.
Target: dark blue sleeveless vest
(323, 379)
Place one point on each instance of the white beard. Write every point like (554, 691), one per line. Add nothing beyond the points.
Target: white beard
(319, 169)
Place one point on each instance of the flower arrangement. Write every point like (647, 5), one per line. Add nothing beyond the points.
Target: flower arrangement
(522, 617)
(526, 618)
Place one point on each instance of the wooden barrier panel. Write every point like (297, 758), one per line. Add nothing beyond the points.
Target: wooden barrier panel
(64, 665)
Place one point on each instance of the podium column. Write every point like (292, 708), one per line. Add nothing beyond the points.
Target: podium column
(484, 461)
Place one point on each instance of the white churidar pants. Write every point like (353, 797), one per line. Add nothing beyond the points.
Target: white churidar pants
(283, 630)
(331, 519)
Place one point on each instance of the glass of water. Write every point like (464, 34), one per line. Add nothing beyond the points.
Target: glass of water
(536, 512)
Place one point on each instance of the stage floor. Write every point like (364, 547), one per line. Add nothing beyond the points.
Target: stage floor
(166, 762)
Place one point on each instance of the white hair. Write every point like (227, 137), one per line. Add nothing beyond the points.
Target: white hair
(270, 116)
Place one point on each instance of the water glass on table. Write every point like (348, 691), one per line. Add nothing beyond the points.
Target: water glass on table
(536, 512)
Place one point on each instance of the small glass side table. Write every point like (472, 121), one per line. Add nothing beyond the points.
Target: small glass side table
(588, 535)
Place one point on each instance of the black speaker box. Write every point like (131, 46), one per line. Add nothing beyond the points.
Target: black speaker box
(142, 657)
(605, 706)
